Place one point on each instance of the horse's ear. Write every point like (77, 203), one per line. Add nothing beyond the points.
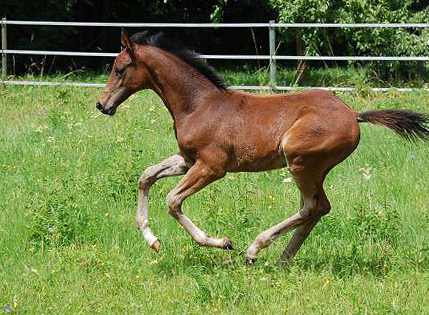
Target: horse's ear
(125, 41)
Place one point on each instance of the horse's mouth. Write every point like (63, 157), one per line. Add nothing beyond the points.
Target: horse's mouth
(111, 111)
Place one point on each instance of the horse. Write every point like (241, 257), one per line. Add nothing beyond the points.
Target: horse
(219, 130)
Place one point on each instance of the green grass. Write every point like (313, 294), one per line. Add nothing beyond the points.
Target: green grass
(68, 197)
(359, 77)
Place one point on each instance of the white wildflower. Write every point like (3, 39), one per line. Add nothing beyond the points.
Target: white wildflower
(288, 180)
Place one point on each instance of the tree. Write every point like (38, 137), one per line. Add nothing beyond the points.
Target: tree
(359, 41)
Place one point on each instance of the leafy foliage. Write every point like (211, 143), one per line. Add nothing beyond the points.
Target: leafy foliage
(107, 39)
(311, 41)
(360, 41)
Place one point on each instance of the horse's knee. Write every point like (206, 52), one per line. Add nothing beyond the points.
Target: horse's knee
(147, 178)
(173, 203)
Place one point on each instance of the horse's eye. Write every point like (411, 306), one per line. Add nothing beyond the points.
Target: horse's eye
(120, 71)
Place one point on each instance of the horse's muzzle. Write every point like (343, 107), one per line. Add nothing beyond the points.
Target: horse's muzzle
(99, 106)
(110, 111)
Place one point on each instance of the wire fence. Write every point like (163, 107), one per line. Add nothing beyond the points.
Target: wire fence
(227, 57)
(272, 57)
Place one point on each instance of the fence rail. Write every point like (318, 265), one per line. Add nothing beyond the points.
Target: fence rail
(228, 57)
(272, 57)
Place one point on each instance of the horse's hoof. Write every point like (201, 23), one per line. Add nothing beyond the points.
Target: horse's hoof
(228, 244)
(155, 246)
(250, 261)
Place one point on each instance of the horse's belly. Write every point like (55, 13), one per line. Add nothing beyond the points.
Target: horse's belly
(248, 162)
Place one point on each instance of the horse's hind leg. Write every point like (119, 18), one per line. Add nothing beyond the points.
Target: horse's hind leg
(298, 238)
(267, 237)
(173, 166)
(314, 206)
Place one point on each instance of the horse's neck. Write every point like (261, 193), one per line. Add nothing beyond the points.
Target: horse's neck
(181, 87)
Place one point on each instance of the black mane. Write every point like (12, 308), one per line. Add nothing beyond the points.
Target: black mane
(191, 58)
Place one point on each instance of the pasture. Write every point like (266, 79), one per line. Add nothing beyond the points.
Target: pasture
(68, 198)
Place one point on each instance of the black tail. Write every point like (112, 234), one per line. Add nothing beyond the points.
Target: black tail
(408, 124)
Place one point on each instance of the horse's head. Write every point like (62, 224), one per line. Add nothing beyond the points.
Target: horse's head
(127, 77)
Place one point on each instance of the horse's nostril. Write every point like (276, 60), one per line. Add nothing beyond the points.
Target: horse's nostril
(99, 106)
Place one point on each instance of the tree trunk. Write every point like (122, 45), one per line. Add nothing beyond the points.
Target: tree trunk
(302, 64)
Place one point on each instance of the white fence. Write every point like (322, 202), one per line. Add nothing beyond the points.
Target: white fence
(272, 57)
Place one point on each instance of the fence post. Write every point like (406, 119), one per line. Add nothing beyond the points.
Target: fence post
(273, 70)
(3, 48)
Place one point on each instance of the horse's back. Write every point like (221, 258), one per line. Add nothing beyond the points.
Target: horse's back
(262, 129)
(325, 133)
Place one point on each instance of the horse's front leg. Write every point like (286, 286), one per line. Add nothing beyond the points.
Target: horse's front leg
(173, 166)
(199, 176)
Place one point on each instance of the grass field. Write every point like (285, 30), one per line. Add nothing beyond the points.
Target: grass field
(68, 197)
(349, 76)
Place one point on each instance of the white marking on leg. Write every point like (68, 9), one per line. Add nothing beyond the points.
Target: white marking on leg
(147, 233)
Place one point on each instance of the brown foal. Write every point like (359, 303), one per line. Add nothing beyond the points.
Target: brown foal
(220, 131)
